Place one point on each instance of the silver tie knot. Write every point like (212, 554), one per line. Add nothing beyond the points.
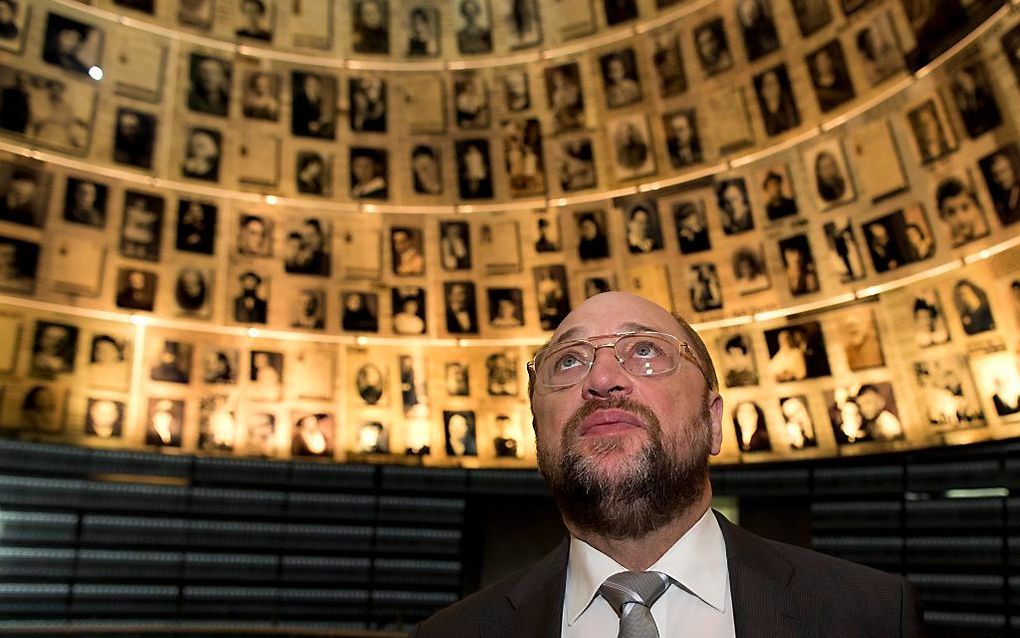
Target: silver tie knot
(631, 594)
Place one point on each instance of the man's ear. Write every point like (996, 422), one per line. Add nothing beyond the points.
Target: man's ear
(715, 412)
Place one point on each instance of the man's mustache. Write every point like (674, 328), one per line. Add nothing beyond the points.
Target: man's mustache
(590, 407)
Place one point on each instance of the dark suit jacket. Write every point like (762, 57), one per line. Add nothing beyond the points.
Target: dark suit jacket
(777, 590)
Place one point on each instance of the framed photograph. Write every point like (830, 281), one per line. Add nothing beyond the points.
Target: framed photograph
(703, 287)
(85, 202)
(368, 104)
(220, 365)
(797, 352)
(749, 269)
(864, 412)
(254, 236)
(713, 47)
(373, 438)
(370, 24)
(370, 383)
(899, 238)
(424, 103)
(758, 28)
(547, 234)
(171, 362)
(473, 21)
(196, 227)
(261, 438)
(830, 76)
(217, 423)
(775, 99)
(751, 429)
(506, 307)
(164, 423)
(525, 24)
(644, 231)
(141, 230)
(251, 303)
(998, 382)
(426, 170)
(265, 375)
(136, 289)
(960, 210)
(501, 374)
(730, 124)
(307, 246)
(461, 307)
(471, 100)
(459, 429)
(313, 373)
(46, 111)
(409, 313)
(876, 155)
(258, 158)
(683, 139)
(691, 226)
(798, 426)
(313, 102)
(24, 194)
(668, 62)
(950, 398)
(255, 21)
(517, 90)
(929, 318)
(499, 244)
(137, 64)
(14, 18)
(407, 250)
(134, 138)
(975, 99)
(620, 80)
(362, 247)
(933, 137)
(311, 25)
(423, 31)
(633, 155)
(202, 153)
(474, 169)
(575, 165)
(861, 343)
(565, 97)
(522, 153)
(829, 173)
(878, 49)
(739, 368)
(104, 418)
(592, 234)
(844, 250)
(799, 265)
(209, 82)
(360, 311)
(1001, 170)
(19, 265)
(973, 306)
(454, 245)
(260, 95)
(551, 294)
(72, 45)
(77, 264)
(193, 292)
(650, 280)
(457, 379)
(54, 348)
(40, 407)
(777, 187)
(734, 206)
(369, 173)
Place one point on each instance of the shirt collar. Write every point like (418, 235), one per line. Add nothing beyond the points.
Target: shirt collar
(697, 562)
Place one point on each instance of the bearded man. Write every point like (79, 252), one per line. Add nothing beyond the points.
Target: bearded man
(627, 411)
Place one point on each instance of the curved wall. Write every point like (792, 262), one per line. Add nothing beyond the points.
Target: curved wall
(226, 240)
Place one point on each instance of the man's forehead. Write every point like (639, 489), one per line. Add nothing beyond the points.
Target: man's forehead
(613, 312)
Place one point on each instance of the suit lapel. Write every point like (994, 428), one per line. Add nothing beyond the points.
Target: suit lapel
(759, 576)
(536, 601)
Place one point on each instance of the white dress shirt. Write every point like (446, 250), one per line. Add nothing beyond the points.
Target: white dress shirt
(697, 602)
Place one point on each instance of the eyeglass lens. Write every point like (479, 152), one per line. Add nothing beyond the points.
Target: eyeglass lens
(640, 355)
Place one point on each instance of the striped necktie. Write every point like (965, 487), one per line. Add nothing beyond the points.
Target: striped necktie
(631, 594)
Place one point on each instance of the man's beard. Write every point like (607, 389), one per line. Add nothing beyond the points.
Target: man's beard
(660, 481)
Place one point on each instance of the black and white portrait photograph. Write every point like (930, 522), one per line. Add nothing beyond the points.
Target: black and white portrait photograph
(565, 96)
(209, 84)
(751, 429)
(575, 164)
(171, 361)
(739, 368)
(799, 265)
(620, 80)
(632, 155)
(704, 287)
(619, 11)
(24, 194)
(473, 22)
(501, 374)
(644, 230)
(950, 397)
(691, 226)
(454, 245)
(459, 429)
(426, 170)
(829, 173)
(370, 383)
(471, 100)
(757, 27)
(975, 99)
(516, 90)
(313, 173)
(196, 226)
(220, 365)
(134, 138)
(407, 250)
(54, 347)
(217, 423)
(797, 352)
(313, 431)
(713, 47)
(202, 154)
(522, 152)
(261, 439)
(19, 264)
(798, 425)
(1001, 170)
(998, 380)
(878, 49)
(668, 62)
(260, 98)
(85, 202)
(830, 76)
(408, 310)
(141, 231)
(193, 292)
(255, 20)
(370, 22)
(592, 234)
(551, 294)
(50, 112)
(461, 307)
(104, 418)
(525, 23)
(932, 135)
(499, 247)
(780, 200)
(423, 28)
(368, 104)
(72, 45)
(973, 307)
(506, 307)
(164, 424)
(547, 234)
(811, 15)
(136, 289)
(929, 319)
(866, 412)
(373, 438)
(251, 303)
(457, 379)
(265, 375)
(960, 211)
(369, 173)
(306, 247)
(474, 169)
(845, 257)
(734, 206)
(359, 311)
(683, 140)
(40, 408)
(775, 99)
(313, 103)
(14, 16)
(899, 238)
(749, 269)
(308, 310)
(861, 340)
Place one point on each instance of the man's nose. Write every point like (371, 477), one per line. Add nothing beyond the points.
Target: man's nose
(607, 378)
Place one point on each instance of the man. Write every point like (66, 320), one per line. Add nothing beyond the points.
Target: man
(624, 443)
(960, 210)
(18, 204)
(778, 205)
(210, 85)
(682, 139)
(250, 306)
(1001, 170)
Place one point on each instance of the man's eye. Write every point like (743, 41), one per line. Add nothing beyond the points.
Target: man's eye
(567, 362)
(646, 350)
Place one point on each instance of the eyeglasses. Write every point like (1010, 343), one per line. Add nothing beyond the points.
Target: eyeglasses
(642, 354)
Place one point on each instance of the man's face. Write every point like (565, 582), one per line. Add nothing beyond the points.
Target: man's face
(457, 297)
(588, 229)
(734, 199)
(607, 444)
(371, 14)
(252, 236)
(68, 41)
(136, 280)
(681, 129)
(21, 192)
(363, 169)
(211, 75)
(871, 404)
(615, 70)
(962, 214)
(1002, 172)
(85, 195)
